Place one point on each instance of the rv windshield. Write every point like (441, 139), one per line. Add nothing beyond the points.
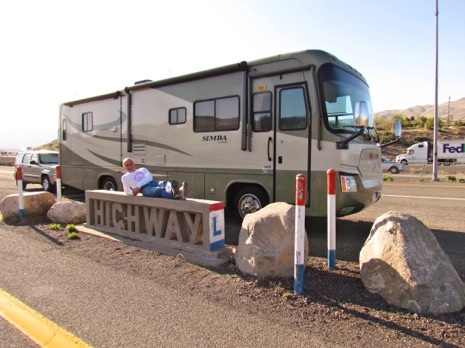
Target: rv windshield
(347, 101)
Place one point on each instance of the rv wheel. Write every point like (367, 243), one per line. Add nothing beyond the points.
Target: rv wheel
(109, 184)
(250, 199)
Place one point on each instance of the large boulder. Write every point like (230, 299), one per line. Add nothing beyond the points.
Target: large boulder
(266, 242)
(402, 261)
(36, 205)
(68, 212)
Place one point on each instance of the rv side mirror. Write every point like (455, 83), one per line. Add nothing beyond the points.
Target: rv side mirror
(398, 128)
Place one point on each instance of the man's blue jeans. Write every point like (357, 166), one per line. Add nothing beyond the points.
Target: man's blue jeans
(158, 189)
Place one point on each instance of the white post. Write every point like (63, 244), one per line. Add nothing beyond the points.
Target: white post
(299, 241)
(19, 181)
(331, 175)
(58, 183)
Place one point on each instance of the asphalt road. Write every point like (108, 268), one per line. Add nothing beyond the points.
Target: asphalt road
(144, 314)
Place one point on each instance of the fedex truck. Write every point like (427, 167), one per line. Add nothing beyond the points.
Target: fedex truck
(449, 152)
(238, 133)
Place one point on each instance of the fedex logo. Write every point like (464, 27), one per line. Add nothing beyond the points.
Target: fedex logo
(453, 149)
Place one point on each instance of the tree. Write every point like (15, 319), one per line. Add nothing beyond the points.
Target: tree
(429, 123)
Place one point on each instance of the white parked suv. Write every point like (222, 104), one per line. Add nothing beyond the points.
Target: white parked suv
(38, 168)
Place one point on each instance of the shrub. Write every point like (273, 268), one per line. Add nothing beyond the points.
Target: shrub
(451, 178)
(387, 177)
(70, 228)
(73, 235)
(54, 226)
(387, 138)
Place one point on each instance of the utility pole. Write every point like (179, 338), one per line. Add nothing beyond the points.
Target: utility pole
(435, 145)
(448, 113)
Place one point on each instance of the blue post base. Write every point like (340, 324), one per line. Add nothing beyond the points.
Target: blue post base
(299, 279)
(331, 258)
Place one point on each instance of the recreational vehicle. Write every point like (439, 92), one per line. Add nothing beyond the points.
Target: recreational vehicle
(239, 133)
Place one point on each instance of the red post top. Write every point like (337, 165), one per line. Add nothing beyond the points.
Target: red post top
(300, 181)
(19, 173)
(331, 175)
(58, 172)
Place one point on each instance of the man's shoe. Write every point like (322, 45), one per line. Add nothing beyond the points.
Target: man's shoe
(184, 190)
(175, 188)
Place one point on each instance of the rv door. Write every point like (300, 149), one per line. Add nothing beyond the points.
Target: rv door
(291, 140)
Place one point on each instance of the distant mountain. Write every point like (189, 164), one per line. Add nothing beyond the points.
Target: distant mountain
(457, 111)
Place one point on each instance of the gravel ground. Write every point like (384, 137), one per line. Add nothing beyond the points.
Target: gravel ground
(335, 304)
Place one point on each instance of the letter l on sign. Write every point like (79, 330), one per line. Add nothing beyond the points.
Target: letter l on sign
(217, 226)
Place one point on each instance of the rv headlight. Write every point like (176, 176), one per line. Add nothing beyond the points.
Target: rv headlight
(348, 183)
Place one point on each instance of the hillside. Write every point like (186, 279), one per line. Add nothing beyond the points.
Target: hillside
(457, 111)
(53, 145)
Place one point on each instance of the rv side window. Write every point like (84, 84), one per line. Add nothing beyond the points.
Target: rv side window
(87, 122)
(292, 111)
(217, 114)
(261, 115)
(177, 116)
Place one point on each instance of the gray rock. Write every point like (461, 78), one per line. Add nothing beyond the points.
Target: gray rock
(68, 212)
(36, 204)
(266, 242)
(402, 261)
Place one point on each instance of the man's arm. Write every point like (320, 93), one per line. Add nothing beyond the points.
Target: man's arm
(126, 185)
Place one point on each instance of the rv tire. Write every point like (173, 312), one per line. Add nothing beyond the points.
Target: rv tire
(109, 184)
(249, 199)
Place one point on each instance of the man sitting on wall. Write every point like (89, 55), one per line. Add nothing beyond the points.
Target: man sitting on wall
(140, 180)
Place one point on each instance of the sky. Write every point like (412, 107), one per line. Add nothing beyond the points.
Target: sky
(54, 51)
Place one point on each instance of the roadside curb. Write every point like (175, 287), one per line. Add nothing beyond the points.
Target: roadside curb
(230, 251)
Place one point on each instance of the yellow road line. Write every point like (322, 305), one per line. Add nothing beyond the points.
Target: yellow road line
(33, 324)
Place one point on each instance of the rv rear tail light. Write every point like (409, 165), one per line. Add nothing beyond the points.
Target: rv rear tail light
(348, 184)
